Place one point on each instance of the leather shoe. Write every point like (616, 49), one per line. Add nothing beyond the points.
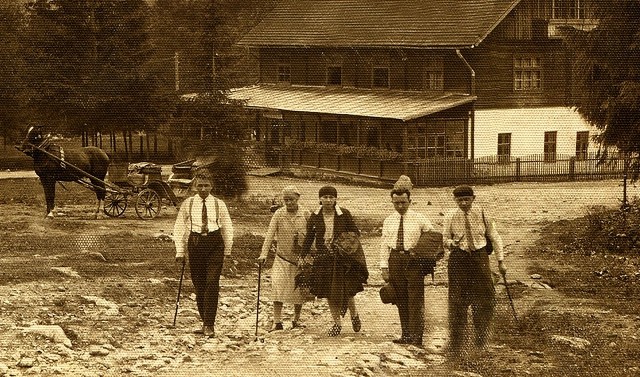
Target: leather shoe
(402, 340)
(208, 331)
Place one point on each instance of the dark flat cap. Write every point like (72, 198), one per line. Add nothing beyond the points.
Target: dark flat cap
(463, 191)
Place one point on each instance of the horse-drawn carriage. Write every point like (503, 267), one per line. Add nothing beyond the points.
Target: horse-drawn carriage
(113, 183)
(143, 181)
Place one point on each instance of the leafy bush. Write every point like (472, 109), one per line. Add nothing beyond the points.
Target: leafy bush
(609, 231)
(349, 150)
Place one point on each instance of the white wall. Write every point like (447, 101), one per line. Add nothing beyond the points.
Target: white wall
(527, 128)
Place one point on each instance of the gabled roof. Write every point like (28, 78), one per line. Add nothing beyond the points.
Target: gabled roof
(385, 104)
(379, 23)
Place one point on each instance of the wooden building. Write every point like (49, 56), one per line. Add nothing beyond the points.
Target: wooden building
(421, 79)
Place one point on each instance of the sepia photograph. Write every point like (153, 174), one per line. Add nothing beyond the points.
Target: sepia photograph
(336, 188)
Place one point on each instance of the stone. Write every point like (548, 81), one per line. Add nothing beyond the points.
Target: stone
(66, 271)
(572, 341)
(111, 308)
(53, 332)
(98, 351)
(26, 362)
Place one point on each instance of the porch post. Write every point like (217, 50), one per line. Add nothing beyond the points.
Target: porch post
(473, 135)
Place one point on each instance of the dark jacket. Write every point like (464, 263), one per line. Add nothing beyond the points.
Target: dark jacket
(334, 276)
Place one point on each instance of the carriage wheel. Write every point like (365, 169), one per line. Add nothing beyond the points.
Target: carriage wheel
(148, 204)
(114, 204)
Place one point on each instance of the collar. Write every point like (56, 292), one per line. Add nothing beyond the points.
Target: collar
(338, 211)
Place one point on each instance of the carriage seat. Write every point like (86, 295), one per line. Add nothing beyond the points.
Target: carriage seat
(140, 173)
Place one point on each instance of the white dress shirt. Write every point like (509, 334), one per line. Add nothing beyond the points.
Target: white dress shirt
(413, 224)
(192, 222)
(454, 231)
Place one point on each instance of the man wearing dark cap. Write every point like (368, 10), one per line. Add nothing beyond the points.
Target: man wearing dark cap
(400, 233)
(465, 234)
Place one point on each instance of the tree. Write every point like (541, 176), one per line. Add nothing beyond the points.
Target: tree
(607, 74)
(90, 69)
(12, 67)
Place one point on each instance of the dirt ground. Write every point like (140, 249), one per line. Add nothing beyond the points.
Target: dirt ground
(90, 297)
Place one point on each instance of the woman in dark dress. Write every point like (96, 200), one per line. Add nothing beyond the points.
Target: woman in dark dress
(336, 276)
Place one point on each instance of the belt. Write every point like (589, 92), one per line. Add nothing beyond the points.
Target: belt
(205, 234)
(403, 252)
(482, 249)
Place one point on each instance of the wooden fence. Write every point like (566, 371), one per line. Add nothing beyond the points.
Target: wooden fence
(451, 171)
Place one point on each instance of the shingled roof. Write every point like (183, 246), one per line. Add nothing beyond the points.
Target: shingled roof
(379, 23)
(385, 104)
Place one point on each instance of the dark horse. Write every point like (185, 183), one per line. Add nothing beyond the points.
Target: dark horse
(52, 163)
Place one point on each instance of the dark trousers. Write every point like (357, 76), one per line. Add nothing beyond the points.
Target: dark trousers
(206, 255)
(407, 279)
(470, 284)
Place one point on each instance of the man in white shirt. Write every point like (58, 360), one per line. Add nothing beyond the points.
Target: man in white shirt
(400, 234)
(465, 234)
(203, 225)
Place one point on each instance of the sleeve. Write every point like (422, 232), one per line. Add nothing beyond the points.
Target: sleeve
(446, 232)
(226, 227)
(425, 224)
(496, 239)
(268, 238)
(384, 245)
(181, 228)
(350, 222)
(310, 236)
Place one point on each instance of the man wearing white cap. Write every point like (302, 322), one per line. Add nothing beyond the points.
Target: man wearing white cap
(400, 234)
(288, 227)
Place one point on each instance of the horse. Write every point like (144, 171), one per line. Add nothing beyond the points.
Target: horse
(54, 164)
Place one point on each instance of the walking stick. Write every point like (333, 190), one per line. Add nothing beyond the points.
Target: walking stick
(258, 301)
(175, 316)
(513, 308)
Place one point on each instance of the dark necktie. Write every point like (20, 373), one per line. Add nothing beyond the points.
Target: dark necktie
(205, 227)
(400, 238)
(468, 235)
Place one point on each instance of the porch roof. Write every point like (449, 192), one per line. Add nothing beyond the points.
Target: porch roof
(387, 104)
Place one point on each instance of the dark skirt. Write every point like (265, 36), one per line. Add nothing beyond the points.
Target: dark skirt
(337, 278)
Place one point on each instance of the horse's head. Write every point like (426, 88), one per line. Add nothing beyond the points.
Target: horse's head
(34, 137)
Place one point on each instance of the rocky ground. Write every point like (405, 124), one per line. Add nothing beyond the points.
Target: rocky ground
(90, 297)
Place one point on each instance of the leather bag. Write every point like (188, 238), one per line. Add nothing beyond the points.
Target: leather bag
(429, 248)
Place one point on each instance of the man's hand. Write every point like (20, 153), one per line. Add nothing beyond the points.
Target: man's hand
(180, 260)
(384, 271)
(502, 268)
(262, 259)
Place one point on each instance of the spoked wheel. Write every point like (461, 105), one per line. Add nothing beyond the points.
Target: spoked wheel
(148, 204)
(114, 204)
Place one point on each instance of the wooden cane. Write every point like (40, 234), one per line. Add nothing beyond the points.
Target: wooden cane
(175, 316)
(513, 308)
(258, 301)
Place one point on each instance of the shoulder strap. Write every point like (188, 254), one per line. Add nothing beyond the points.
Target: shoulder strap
(189, 214)
(215, 200)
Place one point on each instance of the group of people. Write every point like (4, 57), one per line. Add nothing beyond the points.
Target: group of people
(326, 241)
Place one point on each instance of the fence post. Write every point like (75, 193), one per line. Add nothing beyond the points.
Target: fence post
(518, 169)
(572, 168)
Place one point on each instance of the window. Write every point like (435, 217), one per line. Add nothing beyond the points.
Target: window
(417, 142)
(504, 148)
(284, 73)
(329, 132)
(434, 74)
(568, 9)
(380, 77)
(582, 145)
(334, 75)
(436, 145)
(527, 74)
(550, 139)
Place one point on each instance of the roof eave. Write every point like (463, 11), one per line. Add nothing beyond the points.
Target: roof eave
(498, 21)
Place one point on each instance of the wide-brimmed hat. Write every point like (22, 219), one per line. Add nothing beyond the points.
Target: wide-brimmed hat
(388, 294)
